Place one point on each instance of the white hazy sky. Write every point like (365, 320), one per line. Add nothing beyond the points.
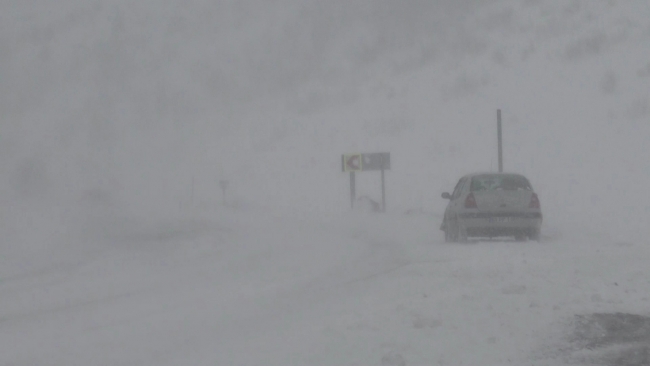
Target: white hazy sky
(126, 103)
(118, 118)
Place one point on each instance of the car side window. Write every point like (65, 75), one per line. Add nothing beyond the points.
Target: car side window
(458, 189)
(465, 186)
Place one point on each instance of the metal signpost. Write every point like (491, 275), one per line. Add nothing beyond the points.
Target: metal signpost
(500, 140)
(362, 163)
(224, 185)
(352, 163)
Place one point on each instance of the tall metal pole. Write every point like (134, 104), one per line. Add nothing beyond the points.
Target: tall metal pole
(192, 194)
(353, 190)
(224, 185)
(500, 138)
(383, 191)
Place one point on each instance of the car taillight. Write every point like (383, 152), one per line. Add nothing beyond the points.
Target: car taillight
(470, 201)
(534, 201)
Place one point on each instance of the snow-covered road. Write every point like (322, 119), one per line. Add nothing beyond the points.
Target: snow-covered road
(260, 288)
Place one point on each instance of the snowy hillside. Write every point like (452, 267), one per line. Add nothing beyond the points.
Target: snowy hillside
(248, 289)
(571, 79)
(133, 101)
(119, 119)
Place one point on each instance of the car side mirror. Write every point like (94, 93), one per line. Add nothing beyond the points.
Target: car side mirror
(446, 196)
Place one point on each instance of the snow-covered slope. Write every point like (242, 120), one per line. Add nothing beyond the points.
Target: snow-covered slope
(131, 102)
(119, 118)
(248, 289)
(571, 79)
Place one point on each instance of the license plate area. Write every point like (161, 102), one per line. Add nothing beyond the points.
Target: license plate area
(502, 219)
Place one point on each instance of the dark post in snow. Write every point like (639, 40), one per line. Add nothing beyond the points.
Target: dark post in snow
(383, 192)
(365, 162)
(353, 191)
(224, 185)
(500, 138)
(383, 184)
(192, 193)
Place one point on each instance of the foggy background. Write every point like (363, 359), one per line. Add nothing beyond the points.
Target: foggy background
(119, 118)
(121, 108)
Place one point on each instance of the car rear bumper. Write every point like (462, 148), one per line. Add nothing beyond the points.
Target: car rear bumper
(497, 215)
(493, 232)
(501, 224)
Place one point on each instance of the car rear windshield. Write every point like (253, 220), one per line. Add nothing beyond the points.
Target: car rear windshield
(500, 182)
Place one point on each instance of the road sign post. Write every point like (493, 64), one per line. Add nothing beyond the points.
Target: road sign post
(383, 181)
(383, 192)
(224, 185)
(353, 189)
(366, 162)
(500, 140)
(352, 163)
(192, 192)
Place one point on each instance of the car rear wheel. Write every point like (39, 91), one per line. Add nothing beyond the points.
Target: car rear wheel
(534, 235)
(451, 235)
(448, 236)
(460, 232)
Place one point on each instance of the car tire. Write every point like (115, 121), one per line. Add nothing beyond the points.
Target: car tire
(450, 232)
(461, 233)
(448, 237)
(520, 237)
(534, 235)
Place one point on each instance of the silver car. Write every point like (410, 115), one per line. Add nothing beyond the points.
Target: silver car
(492, 205)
